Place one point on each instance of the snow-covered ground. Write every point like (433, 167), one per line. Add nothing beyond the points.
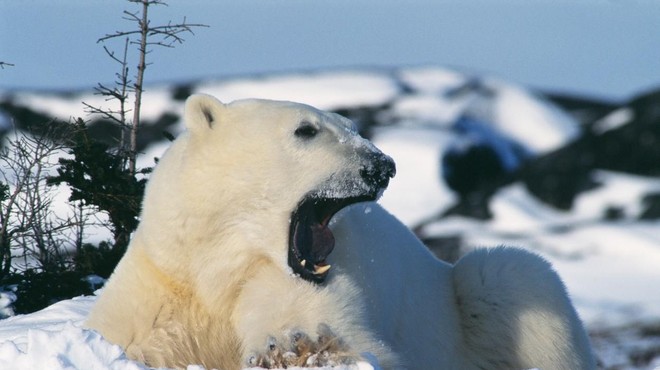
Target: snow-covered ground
(611, 268)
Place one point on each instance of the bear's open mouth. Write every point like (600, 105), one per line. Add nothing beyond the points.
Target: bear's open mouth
(310, 239)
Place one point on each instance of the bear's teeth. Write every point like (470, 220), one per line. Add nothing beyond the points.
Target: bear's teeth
(318, 270)
(303, 263)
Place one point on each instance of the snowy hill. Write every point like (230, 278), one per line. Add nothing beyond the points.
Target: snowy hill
(481, 162)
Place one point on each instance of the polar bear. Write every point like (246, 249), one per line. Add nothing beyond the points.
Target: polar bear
(236, 261)
(228, 265)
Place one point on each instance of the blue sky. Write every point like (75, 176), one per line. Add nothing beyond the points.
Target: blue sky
(599, 47)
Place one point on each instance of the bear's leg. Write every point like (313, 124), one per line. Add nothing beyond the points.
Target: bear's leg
(283, 319)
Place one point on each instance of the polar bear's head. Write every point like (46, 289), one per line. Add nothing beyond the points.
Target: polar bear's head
(275, 168)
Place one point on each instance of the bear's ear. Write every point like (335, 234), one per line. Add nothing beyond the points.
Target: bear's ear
(202, 112)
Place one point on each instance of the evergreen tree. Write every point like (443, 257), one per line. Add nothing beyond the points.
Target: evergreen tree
(98, 177)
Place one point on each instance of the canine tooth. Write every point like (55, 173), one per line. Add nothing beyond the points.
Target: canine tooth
(303, 263)
(318, 270)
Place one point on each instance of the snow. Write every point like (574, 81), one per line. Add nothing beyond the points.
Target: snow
(610, 268)
(156, 101)
(432, 80)
(414, 193)
(427, 109)
(531, 121)
(613, 120)
(323, 90)
(67, 348)
(618, 190)
(7, 299)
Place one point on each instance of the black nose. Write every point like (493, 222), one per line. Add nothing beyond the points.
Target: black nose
(378, 170)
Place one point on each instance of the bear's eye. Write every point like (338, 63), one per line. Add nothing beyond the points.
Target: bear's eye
(306, 130)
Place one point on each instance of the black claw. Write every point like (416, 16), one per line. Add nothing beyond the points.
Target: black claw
(272, 344)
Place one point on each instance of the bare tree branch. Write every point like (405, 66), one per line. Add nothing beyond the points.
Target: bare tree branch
(30, 227)
(167, 31)
(144, 36)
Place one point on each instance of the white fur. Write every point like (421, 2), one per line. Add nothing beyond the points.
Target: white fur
(501, 308)
(206, 280)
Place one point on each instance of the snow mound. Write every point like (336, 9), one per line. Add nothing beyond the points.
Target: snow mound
(67, 348)
(54, 339)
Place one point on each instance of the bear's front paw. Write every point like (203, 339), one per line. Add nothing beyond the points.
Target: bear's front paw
(296, 348)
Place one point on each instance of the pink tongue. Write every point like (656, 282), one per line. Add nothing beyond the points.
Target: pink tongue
(322, 242)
